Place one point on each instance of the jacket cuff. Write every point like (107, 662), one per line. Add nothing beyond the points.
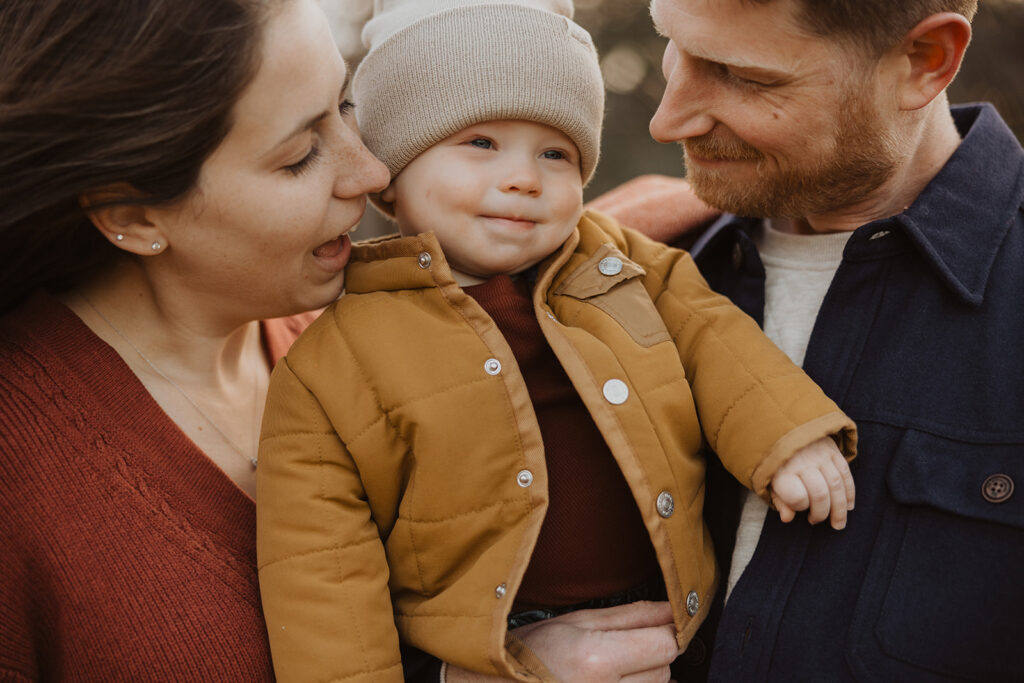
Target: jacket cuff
(835, 424)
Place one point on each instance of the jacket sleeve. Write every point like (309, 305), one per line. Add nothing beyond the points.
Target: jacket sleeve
(322, 568)
(756, 407)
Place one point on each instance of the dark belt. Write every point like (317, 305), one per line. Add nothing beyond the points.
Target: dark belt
(650, 590)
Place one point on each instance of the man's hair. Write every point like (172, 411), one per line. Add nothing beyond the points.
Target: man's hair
(876, 25)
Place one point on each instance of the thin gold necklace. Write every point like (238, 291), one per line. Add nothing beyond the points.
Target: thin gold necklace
(256, 384)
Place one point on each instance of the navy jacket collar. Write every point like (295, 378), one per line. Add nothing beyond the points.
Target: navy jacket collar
(960, 219)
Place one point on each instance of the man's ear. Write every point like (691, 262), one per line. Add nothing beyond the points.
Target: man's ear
(933, 50)
(126, 225)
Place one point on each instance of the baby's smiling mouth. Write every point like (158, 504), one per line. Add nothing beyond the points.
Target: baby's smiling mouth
(512, 221)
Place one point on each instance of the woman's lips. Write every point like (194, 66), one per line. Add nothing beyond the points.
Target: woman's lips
(333, 255)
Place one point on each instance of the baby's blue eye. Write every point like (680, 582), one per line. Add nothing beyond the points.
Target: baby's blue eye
(482, 143)
(553, 154)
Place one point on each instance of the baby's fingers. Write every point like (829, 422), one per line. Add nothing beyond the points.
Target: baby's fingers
(844, 471)
(819, 491)
(837, 494)
(789, 495)
(840, 483)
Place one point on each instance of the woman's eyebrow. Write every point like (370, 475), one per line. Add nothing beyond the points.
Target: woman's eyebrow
(312, 121)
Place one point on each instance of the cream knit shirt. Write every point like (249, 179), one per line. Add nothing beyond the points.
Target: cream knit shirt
(798, 272)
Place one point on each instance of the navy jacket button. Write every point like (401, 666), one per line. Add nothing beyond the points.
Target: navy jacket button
(997, 488)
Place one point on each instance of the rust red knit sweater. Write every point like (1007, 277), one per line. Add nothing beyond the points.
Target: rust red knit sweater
(125, 553)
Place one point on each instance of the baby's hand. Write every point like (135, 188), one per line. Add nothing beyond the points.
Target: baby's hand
(817, 479)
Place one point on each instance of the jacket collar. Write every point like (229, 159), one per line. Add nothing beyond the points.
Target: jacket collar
(959, 221)
(394, 262)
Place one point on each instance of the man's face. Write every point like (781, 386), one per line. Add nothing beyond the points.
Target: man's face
(773, 121)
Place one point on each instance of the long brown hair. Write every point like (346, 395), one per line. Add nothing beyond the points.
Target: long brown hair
(133, 92)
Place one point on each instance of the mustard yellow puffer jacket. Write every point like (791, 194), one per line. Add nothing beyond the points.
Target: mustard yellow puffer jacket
(401, 475)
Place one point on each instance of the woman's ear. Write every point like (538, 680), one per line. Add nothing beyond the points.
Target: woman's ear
(124, 224)
(933, 50)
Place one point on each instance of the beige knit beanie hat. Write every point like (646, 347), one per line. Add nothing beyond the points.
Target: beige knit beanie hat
(435, 67)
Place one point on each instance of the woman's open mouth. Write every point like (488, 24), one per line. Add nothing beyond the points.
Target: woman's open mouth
(333, 255)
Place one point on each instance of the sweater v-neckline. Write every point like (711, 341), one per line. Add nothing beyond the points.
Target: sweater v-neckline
(157, 453)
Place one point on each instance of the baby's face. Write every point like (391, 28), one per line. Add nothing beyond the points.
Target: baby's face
(499, 195)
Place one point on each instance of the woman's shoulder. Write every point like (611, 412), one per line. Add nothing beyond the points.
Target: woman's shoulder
(33, 338)
(280, 333)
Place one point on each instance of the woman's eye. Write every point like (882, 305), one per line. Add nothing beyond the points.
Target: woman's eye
(553, 154)
(305, 163)
(482, 143)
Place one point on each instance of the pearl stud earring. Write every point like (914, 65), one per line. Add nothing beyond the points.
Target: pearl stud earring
(119, 237)
(156, 246)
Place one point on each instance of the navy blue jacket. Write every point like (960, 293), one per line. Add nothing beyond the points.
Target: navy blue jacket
(920, 339)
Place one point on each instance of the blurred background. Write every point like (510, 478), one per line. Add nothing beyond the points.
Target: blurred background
(631, 53)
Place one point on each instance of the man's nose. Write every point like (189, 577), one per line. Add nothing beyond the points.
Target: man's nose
(684, 109)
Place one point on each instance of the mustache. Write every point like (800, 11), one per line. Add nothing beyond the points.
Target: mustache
(710, 146)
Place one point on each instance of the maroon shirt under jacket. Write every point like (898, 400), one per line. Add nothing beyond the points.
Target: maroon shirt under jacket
(593, 542)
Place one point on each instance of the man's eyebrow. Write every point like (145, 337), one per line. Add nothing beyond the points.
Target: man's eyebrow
(740, 63)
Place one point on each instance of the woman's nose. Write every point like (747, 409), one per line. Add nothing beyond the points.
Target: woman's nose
(358, 170)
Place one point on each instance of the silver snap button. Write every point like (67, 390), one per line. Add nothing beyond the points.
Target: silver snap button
(666, 504)
(610, 265)
(692, 603)
(424, 260)
(524, 478)
(492, 366)
(499, 592)
(616, 392)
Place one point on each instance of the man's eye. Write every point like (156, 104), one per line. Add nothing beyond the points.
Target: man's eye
(729, 75)
(482, 143)
(746, 81)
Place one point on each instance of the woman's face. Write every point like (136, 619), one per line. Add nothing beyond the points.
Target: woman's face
(264, 234)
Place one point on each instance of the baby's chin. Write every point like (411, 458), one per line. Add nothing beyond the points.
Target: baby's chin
(465, 279)
(477, 276)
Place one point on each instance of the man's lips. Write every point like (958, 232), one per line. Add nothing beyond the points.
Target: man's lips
(713, 160)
